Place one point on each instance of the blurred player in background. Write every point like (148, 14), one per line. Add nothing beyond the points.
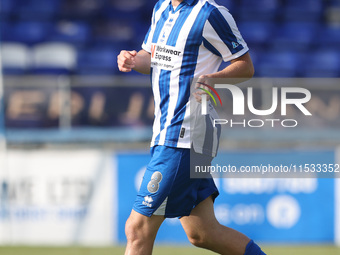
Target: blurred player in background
(186, 39)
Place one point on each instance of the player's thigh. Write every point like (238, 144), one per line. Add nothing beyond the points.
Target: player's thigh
(140, 225)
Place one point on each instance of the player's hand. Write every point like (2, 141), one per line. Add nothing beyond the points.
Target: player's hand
(126, 60)
(199, 92)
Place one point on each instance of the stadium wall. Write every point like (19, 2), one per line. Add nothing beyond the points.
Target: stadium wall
(2, 121)
(66, 197)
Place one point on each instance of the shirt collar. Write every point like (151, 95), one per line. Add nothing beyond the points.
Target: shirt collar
(189, 2)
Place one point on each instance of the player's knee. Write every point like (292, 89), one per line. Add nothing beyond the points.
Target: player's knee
(199, 240)
(133, 230)
(136, 229)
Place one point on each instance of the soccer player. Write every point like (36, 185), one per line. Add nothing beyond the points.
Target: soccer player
(186, 39)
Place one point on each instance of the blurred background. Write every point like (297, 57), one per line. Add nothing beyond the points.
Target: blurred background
(74, 131)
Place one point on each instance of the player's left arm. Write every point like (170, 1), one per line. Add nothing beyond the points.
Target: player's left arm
(241, 68)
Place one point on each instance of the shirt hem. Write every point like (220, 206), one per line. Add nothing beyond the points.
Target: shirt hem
(171, 144)
(237, 55)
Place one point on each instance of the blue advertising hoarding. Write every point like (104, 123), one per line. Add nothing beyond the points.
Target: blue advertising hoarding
(270, 210)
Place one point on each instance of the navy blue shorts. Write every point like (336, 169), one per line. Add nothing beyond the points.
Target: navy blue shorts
(167, 188)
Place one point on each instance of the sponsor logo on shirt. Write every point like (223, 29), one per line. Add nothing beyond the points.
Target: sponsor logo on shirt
(164, 56)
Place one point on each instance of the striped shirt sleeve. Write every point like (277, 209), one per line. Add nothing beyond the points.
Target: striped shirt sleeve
(222, 37)
(147, 43)
(148, 37)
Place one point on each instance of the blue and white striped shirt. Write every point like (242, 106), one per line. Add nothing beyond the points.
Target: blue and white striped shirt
(186, 42)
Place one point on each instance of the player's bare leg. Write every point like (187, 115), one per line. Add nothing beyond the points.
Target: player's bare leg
(141, 232)
(204, 231)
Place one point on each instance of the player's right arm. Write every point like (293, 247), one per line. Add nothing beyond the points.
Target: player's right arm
(133, 60)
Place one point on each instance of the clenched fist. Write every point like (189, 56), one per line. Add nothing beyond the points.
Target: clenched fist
(126, 60)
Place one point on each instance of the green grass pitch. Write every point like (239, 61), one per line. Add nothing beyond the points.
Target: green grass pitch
(162, 250)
